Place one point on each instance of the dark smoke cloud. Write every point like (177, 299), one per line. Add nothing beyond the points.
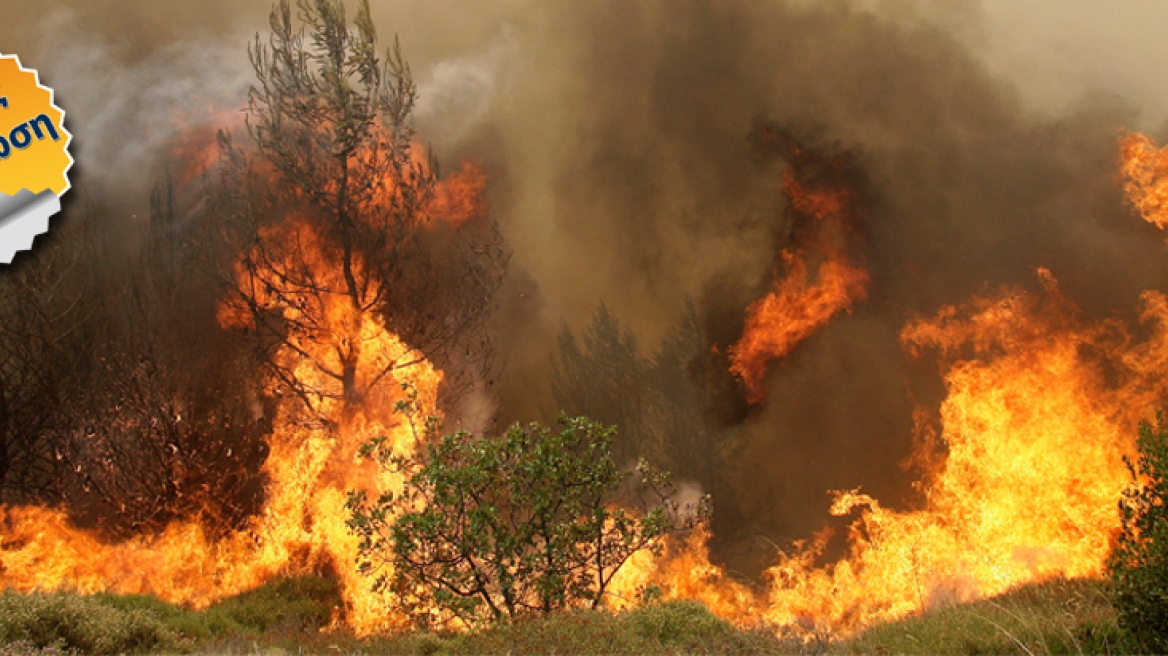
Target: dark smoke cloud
(617, 135)
(633, 181)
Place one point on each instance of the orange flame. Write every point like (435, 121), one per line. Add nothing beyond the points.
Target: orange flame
(1146, 170)
(1040, 412)
(458, 199)
(796, 306)
(793, 311)
(1035, 431)
(196, 145)
(683, 571)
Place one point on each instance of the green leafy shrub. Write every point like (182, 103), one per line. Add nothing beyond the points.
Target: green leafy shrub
(494, 527)
(1139, 560)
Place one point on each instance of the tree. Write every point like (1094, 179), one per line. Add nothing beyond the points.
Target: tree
(603, 376)
(164, 426)
(340, 217)
(494, 527)
(1139, 559)
(45, 329)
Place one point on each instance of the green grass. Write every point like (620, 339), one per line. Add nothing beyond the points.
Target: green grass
(1057, 617)
(285, 617)
(676, 627)
(90, 625)
(114, 624)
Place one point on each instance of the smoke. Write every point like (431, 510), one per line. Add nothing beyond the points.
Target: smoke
(616, 135)
(124, 114)
(455, 96)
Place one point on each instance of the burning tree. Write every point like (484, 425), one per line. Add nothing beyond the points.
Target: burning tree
(361, 271)
(340, 179)
(348, 263)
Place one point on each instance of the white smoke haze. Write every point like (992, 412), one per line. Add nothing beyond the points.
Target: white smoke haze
(123, 114)
(456, 95)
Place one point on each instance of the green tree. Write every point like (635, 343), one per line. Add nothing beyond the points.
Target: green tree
(1139, 560)
(530, 521)
(602, 375)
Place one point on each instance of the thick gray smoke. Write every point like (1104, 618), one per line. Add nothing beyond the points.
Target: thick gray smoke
(617, 138)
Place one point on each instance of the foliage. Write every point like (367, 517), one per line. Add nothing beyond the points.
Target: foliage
(44, 306)
(494, 527)
(675, 406)
(103, 409)
(602, 375)
(304, 603)
(1139, 560)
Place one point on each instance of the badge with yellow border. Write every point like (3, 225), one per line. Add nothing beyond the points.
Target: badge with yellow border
(34, 157)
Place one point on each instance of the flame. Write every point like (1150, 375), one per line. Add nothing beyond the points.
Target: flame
(195, 145)
(1146, 170)
(1040, 413)
(458, 199)
(1021, 483)
(823, 207)
(793, 311)
(684, 571)
(1035, 428)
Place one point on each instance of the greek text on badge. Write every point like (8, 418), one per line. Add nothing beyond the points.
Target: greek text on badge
(34, 157)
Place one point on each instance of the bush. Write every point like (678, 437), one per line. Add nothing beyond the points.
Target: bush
(500, 526)
(90, 625)
(1139, 560)
(302, 603)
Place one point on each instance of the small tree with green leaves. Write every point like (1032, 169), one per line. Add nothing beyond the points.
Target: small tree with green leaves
(526, 522)
(1139, 560)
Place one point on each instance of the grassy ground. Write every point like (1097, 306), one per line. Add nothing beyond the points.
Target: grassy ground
(112, 624)
(1056, 617)
(285, 617)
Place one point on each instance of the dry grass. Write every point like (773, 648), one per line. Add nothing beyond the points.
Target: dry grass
(1057, 617)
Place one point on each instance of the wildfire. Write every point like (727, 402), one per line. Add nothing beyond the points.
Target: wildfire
(313, 449)
(302, 524)
(1039, 414)
(195, 145)
(1026, 471)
